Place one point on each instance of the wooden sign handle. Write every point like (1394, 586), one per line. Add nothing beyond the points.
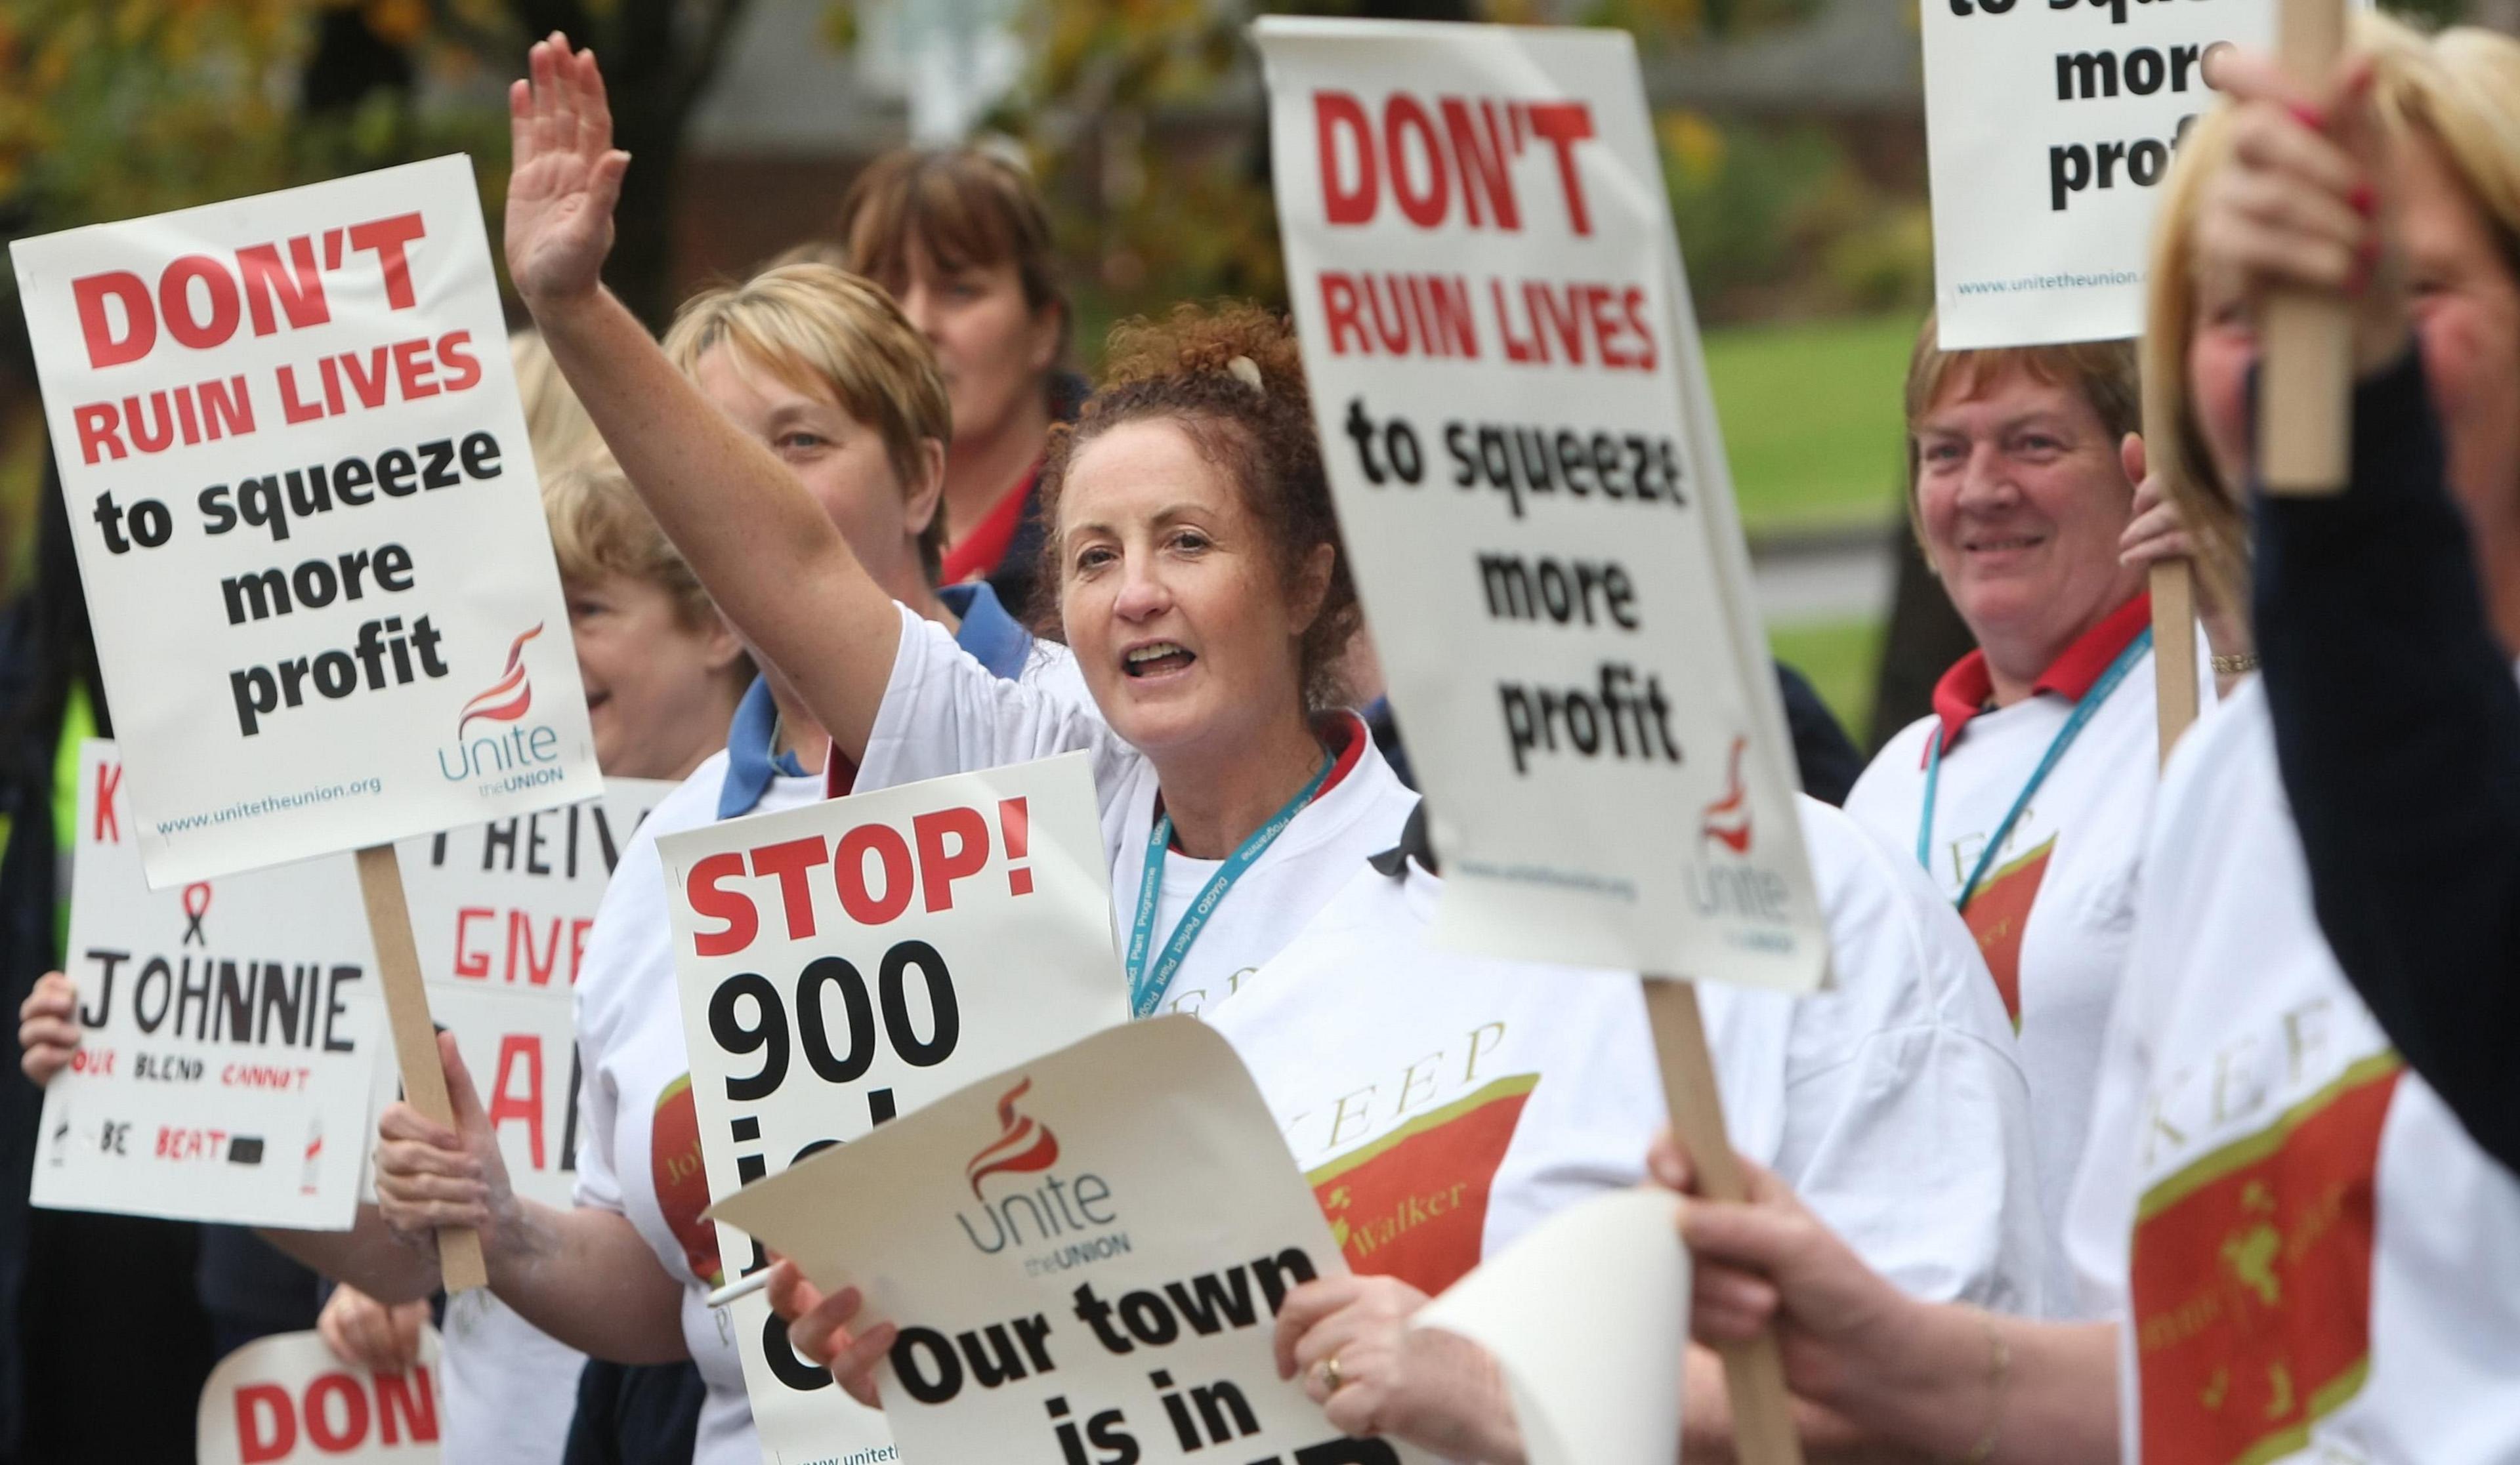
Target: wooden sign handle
(2305, 423)
(2173, 648)
(1754, 1373)
(414, 1036)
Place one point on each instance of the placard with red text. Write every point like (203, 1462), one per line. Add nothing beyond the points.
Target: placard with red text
(308, 521)
(849, 961)
(230, 1037)
(1512, 404)
(286, 1401)
(501, 911)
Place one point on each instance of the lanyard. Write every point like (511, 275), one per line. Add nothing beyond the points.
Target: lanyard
(1147, 984)
(2082, 713)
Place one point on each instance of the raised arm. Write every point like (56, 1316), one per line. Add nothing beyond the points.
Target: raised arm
(768, 555)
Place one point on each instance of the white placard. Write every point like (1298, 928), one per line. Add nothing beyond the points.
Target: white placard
(307, 519)
(287, 1400)
(1507, 374)
(501, 911)
(2048, 131)
(853, 960)
(1085, 1254)
(232, 1034)
(1588, 1318)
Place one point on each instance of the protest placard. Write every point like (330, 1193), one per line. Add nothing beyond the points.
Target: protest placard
(1084, 1252)
(231, 1033)
(501, 913)
(1506, 376)
(308, 521)
(1511, 398)
(286, 1401)
(1580, 1317)
(2049, 129)
(849, 961)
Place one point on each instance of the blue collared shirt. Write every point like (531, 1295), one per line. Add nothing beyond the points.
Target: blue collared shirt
(993, 638)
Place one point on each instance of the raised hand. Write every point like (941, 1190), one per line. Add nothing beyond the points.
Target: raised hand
(565, 177)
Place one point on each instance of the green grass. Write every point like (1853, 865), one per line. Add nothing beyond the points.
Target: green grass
(1840, 657)
(1812, 419)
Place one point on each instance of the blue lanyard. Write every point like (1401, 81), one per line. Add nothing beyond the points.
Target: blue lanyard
(2084, 711)
(1147, 984)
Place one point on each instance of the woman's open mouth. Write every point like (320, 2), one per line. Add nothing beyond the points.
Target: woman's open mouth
(1157, 659)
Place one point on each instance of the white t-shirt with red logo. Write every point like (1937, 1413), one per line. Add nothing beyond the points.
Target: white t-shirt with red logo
(2055, 908)
(2311, 1259)
(1443, 1104)
(944, 714)
(639, 1137)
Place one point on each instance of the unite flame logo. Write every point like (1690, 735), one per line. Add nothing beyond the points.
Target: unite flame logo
(507, 698)
(1022, 1147)
(1726, 821)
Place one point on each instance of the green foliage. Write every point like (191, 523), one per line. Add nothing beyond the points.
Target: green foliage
(1775, 217)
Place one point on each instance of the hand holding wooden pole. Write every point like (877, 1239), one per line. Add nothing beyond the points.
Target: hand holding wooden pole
(2305, 423)
(424, 1079)
(1754, 1373)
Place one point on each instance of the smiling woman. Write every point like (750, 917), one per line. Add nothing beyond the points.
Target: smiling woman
(2024, 794)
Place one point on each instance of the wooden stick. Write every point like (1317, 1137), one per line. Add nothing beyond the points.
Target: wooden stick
(2173, 648)
(2304, 425)
(1754, 1373)
(424, 1079)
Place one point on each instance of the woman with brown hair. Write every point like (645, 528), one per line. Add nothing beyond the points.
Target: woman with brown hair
(961, 239)
(2303, 1254)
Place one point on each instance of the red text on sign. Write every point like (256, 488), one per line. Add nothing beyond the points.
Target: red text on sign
(199, 301)
(873, 869)
(1450, 162)
(337, 1414)
(529, 947)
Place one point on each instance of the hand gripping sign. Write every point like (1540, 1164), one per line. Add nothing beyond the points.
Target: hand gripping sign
(230, 1037)
(1513, 405)
(501, 913)
(324, 598)
(1085, 1254)
(847, 963)
(287, 1400)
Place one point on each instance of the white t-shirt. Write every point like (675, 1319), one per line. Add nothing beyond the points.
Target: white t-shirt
(943, 713)
(639, 1133)
(511, 1388)
(2056, 907)
(2318, 1261)
(1443, 1104)
(639, 1142)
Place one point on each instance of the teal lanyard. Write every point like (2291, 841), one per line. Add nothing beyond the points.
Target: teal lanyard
(1147, 984)
(2084, 711)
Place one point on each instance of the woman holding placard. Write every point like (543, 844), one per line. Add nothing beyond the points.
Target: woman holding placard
(2024, 793)
(819, 367)
(2313, 1256)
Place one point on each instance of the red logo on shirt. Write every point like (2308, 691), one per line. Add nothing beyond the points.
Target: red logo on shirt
(682, 1182)
(1413, 1204)
(508, 697)
(1998, 914)
(1726, 821)
(2252, 1280)
(1022, 1147)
